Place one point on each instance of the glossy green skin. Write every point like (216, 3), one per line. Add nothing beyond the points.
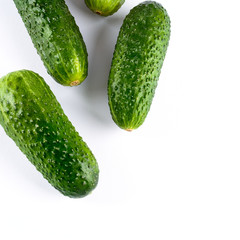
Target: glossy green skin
(137, 61)
(104, 7)
(31, 115)
(57, 39)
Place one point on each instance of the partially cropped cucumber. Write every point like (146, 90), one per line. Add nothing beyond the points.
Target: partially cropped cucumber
(104, 7)
(33, 118)
(57, 39)
(137, 61)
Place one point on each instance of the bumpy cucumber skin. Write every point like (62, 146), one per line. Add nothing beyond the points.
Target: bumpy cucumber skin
(104, 7)
(33, 118)
(57, 39)
(137, 61)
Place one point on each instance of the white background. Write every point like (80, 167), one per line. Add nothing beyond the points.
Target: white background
(177, 176)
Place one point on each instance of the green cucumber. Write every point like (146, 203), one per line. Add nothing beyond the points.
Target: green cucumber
(31, 115)
(137, 61)
(104, 7)
(57, 39)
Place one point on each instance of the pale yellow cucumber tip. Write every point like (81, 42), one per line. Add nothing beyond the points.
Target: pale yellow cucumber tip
(129, 130)
(98, 12)
(75, 83)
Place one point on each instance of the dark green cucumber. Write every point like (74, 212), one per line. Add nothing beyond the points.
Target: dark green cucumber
(31, 115)
(57, 39)
(104, 7)
(137, 61)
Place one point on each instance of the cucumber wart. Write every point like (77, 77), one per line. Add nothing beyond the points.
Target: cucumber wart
(31, 115)
(57, 39)
(137, 61)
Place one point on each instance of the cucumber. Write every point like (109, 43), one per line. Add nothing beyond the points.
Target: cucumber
(33, 118)
(104, 7)
(137, 61)
(57, 39)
